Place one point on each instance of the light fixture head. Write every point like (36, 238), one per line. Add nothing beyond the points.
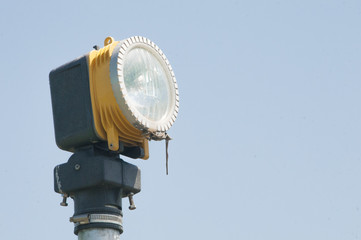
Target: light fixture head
(124, 93)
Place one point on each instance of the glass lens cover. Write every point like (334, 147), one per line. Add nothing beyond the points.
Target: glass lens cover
(147, 84)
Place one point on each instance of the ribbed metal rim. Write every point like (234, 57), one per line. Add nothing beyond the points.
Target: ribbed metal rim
(120, 91)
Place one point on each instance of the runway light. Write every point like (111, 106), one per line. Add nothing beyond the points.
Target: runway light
(124, 94)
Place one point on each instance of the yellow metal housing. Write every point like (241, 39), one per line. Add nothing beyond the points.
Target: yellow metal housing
(110, 123)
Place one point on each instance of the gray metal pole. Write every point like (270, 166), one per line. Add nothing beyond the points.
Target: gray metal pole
(99, 234)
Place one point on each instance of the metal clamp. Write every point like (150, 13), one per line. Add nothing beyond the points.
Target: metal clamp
(96, 218)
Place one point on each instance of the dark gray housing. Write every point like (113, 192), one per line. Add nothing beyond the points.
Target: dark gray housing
(71, 101)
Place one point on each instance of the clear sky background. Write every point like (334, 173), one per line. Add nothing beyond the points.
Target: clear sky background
(267, 144)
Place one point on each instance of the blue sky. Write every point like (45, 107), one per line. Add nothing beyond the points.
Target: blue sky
(267, 141)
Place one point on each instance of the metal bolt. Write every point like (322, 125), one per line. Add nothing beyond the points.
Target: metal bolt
(131, 201)
(77, 167)
(64, 203)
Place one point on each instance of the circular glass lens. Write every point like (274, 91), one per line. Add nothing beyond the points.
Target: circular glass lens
(147, 84)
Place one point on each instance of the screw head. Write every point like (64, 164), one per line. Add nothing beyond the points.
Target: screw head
(77, 167)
